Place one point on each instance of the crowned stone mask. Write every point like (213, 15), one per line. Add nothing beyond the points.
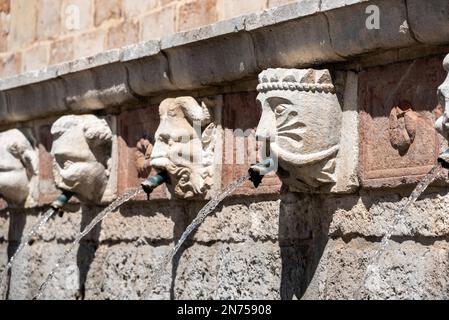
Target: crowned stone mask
(300, 126)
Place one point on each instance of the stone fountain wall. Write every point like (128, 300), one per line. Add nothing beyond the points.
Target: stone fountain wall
(268, 243)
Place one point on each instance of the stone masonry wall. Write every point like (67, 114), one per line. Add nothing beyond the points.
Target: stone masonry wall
(37, 33)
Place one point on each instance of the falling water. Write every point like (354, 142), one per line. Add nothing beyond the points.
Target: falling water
(33, 232)
(202, 214)
(103, 214)
(420, 188)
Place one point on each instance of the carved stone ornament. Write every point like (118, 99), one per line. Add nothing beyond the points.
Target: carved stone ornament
(18, 168)
(300, 126)
(442, 124)
(82, 155)
(185, 145)
(403, 122)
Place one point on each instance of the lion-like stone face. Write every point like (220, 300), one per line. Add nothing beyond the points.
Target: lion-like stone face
(81, 150)
(184, 145)
(301, 127)
(18, 168)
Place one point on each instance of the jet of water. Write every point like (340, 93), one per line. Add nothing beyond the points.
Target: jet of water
(419, 189)
(202, 214)
(25, 240)
(100, 217)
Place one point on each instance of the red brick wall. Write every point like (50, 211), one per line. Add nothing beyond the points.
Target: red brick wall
(36, 33)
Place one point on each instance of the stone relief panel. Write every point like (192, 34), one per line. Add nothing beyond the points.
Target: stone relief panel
(188, 146)
(136, 131)
(442, 124)
(83, 157)
(301, 126)
(398, 107)
(19, 168)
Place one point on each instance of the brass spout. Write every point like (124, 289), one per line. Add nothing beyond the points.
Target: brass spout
(61, 201)
(259, 170)
(443, 159)
(153, 182)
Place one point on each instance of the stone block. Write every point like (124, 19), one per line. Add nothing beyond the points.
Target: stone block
(106, 10)
(136, 130)
(90, 43)
(350, 35)
(47, 188)
(10, 64)
(5, 6)
(229, 271)
(419, 15)
(233, 8)
(131, 8)
(121, 272)
(23, 24)
(405, 271)
(61, 50)
(48, 19)
(36, 100)
(122, 34)
(398, 142)
(158, 23)
(278, 3)
(98, 88)
(35, 58)
(33, 266)
(372, 215)
(193, 14)
(302, 42)
(206, 62)
(240, 147)
(77, 15)
(149, 75)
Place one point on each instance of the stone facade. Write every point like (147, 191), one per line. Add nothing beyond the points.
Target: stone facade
(373, 98)
(54, 31)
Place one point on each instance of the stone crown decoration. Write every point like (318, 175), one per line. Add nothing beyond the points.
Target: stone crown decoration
(295, 80)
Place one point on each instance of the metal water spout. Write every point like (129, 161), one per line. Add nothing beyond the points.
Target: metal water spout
(59, 204)
(153, 182)
(259, 170)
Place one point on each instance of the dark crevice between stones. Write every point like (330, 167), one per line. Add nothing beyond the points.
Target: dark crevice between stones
(420, 239)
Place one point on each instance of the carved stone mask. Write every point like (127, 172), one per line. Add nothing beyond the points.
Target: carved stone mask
(184, 146)
(300, 124)
(82, 155)
(442, 124)
(18, 168)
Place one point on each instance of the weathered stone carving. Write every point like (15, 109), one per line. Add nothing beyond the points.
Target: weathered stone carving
(82, 155)
(442, 124)
(185, 145)
(301, 126)
(403, 122)
(18, 168)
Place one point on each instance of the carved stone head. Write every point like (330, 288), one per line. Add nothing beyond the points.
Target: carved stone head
(18, 169)
(301, 125)
(442, 124)
(82, 155)
(184, 146)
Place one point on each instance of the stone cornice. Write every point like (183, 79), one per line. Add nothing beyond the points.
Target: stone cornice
(301, 34)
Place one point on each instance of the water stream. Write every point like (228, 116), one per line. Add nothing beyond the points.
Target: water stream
(25, 240)
(100, 217)
(419, 189)
(202, 214)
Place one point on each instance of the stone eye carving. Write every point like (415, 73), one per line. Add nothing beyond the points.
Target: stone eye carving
(82, 156)
(300, 126)
(403, 121)
(18, 168)
(442, 124)
(185, 143)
